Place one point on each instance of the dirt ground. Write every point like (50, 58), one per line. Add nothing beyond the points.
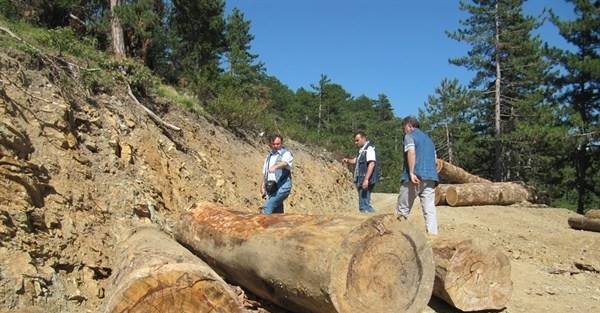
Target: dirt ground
(554, 268)
(77, 170)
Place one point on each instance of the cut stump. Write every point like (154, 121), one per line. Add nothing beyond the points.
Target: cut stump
(315, 263)
(154, 273)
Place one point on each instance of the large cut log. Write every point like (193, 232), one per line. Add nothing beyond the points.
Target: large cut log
(504, 193)
(315, 263)
(470, 274)
(454, 174)
(154, 273)
(584, 223)
(440, 194)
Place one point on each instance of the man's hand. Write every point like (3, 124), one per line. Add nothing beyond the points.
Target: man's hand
(365, 185)
(414, 179)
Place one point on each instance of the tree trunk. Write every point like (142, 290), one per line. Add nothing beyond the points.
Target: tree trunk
(153, 273)
(470, 274)
(315, 263)
(118, 39)
(489, 194)
(584, 223)
(454, 174)
(440, 194)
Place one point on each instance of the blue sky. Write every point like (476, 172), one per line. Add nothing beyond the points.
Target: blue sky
(394, 47)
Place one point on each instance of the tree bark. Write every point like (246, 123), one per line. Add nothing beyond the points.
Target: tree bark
(153, 273)
(505, 193)
(470, 274)
(584, 223)
(454, 174)
(440, 194)
(315, 263)
(118, 39)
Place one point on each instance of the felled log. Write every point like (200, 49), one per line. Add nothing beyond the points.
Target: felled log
(154, 273)
(315, 263)
(584, 223)
(503, 193)
(440, 194)
(470, 274)
(454, 174)
(595, 214)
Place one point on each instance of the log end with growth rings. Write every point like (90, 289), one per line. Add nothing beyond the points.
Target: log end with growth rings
(471, 274)
(389, 267)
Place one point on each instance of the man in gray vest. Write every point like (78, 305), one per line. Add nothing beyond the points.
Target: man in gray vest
(419, 176)
(366, 171)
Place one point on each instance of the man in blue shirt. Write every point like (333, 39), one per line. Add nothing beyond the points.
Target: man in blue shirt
(419, 176)
(276, 183)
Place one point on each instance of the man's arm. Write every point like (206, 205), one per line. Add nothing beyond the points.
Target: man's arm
(411, 158)
(286, 161)
(282, 164)
(349, 161)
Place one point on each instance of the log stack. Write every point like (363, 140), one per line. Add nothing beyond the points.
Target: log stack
(315, 263)
(469, 190)
(154, 273)
(471, 274)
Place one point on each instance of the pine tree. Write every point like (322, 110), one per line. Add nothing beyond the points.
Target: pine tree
(199, 27)
(448, 118)
(510, 75)
(145, 34)
(580, 85)
(241, 61)
(320, 91)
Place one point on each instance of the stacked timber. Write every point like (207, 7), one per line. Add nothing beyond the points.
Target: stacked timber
(154, 273)
(454, 174)
(501, 193)
(315, 263)
(470, 274)
(590, 221)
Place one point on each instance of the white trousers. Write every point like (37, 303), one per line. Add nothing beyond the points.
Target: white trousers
(426, 192)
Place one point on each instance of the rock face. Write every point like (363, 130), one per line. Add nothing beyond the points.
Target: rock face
(77, 170)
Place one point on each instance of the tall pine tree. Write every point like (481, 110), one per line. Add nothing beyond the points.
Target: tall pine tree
(242, 63)
(580, 86)
(448, 117)
(510, 76)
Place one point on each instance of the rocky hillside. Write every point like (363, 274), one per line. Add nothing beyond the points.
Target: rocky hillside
(77, 170)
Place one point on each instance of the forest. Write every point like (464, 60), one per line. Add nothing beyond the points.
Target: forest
(531, 113)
